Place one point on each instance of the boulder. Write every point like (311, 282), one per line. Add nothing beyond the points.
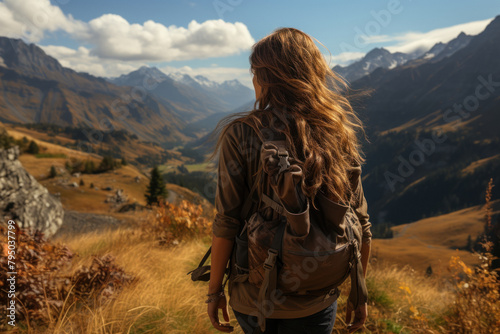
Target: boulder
(23, 199)
(118, 198)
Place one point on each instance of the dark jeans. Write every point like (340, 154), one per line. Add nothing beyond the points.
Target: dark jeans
(318, 323)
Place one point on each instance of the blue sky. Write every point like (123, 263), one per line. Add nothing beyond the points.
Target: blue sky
(111, 37)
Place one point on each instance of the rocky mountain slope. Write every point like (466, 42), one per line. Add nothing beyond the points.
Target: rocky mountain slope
(35, 88)
(434, 142)
(192, 99)
(382, 58)
(378, 57)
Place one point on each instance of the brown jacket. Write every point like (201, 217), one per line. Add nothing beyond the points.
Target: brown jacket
(239, 159)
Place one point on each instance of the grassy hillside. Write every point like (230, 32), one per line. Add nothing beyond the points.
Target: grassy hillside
(433, 241)
(157, 248)
(119, 145)
(162, 298)
(88, 193)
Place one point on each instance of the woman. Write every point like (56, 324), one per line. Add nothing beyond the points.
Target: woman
(299, 96)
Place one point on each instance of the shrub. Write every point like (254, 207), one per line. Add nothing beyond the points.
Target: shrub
(173, 223)
(45, 286)
(89, 167)
(6, 141)
(108, 163)
(33, 148)
(477, 304)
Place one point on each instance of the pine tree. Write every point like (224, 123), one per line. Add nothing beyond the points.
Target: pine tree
(68, 167)
(53, 172)
(156, 187)
(469, 245)
(33, 148)
(107, 163)
(89, 167)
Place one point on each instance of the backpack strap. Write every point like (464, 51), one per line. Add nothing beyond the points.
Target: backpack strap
(284, 163)
(270, 281)
(359, 293)
(273, 204)
(202, 272)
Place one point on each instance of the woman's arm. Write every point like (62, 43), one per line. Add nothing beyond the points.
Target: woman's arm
(221, 251)
(229, 198)
(365, 255)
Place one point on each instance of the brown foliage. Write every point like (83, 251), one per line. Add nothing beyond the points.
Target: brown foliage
(44, 284)
(477, 305)
(172, 223)
(103, 278)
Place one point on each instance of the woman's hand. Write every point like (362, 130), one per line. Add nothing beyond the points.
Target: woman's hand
(360, 315)
(213, 314)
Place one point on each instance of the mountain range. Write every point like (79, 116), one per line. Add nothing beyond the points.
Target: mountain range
(432, 126)
(36, 88)
(382, 58)
(192, 99)
(431, 118)
(431, 121)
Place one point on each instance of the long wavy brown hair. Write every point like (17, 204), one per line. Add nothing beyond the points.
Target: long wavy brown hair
(305, 100)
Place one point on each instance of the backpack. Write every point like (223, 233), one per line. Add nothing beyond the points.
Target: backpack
(312, 251)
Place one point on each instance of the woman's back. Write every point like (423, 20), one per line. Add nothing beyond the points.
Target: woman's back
(300, 99)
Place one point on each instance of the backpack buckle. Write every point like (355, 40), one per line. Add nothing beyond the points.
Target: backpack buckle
(331, 293)
(283, 163)
(271, 259)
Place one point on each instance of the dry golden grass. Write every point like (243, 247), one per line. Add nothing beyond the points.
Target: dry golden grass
(45, 146)
(402, 301)
(165, 300)
(84, 198)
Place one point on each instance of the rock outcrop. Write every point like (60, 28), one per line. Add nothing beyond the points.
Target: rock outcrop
(25, 200)
(118, 198)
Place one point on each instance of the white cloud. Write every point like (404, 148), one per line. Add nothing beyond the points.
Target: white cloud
(345, 58)
(423, 41)
(30, 19)
(115, 38)
(111, 36)
(81, 60)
